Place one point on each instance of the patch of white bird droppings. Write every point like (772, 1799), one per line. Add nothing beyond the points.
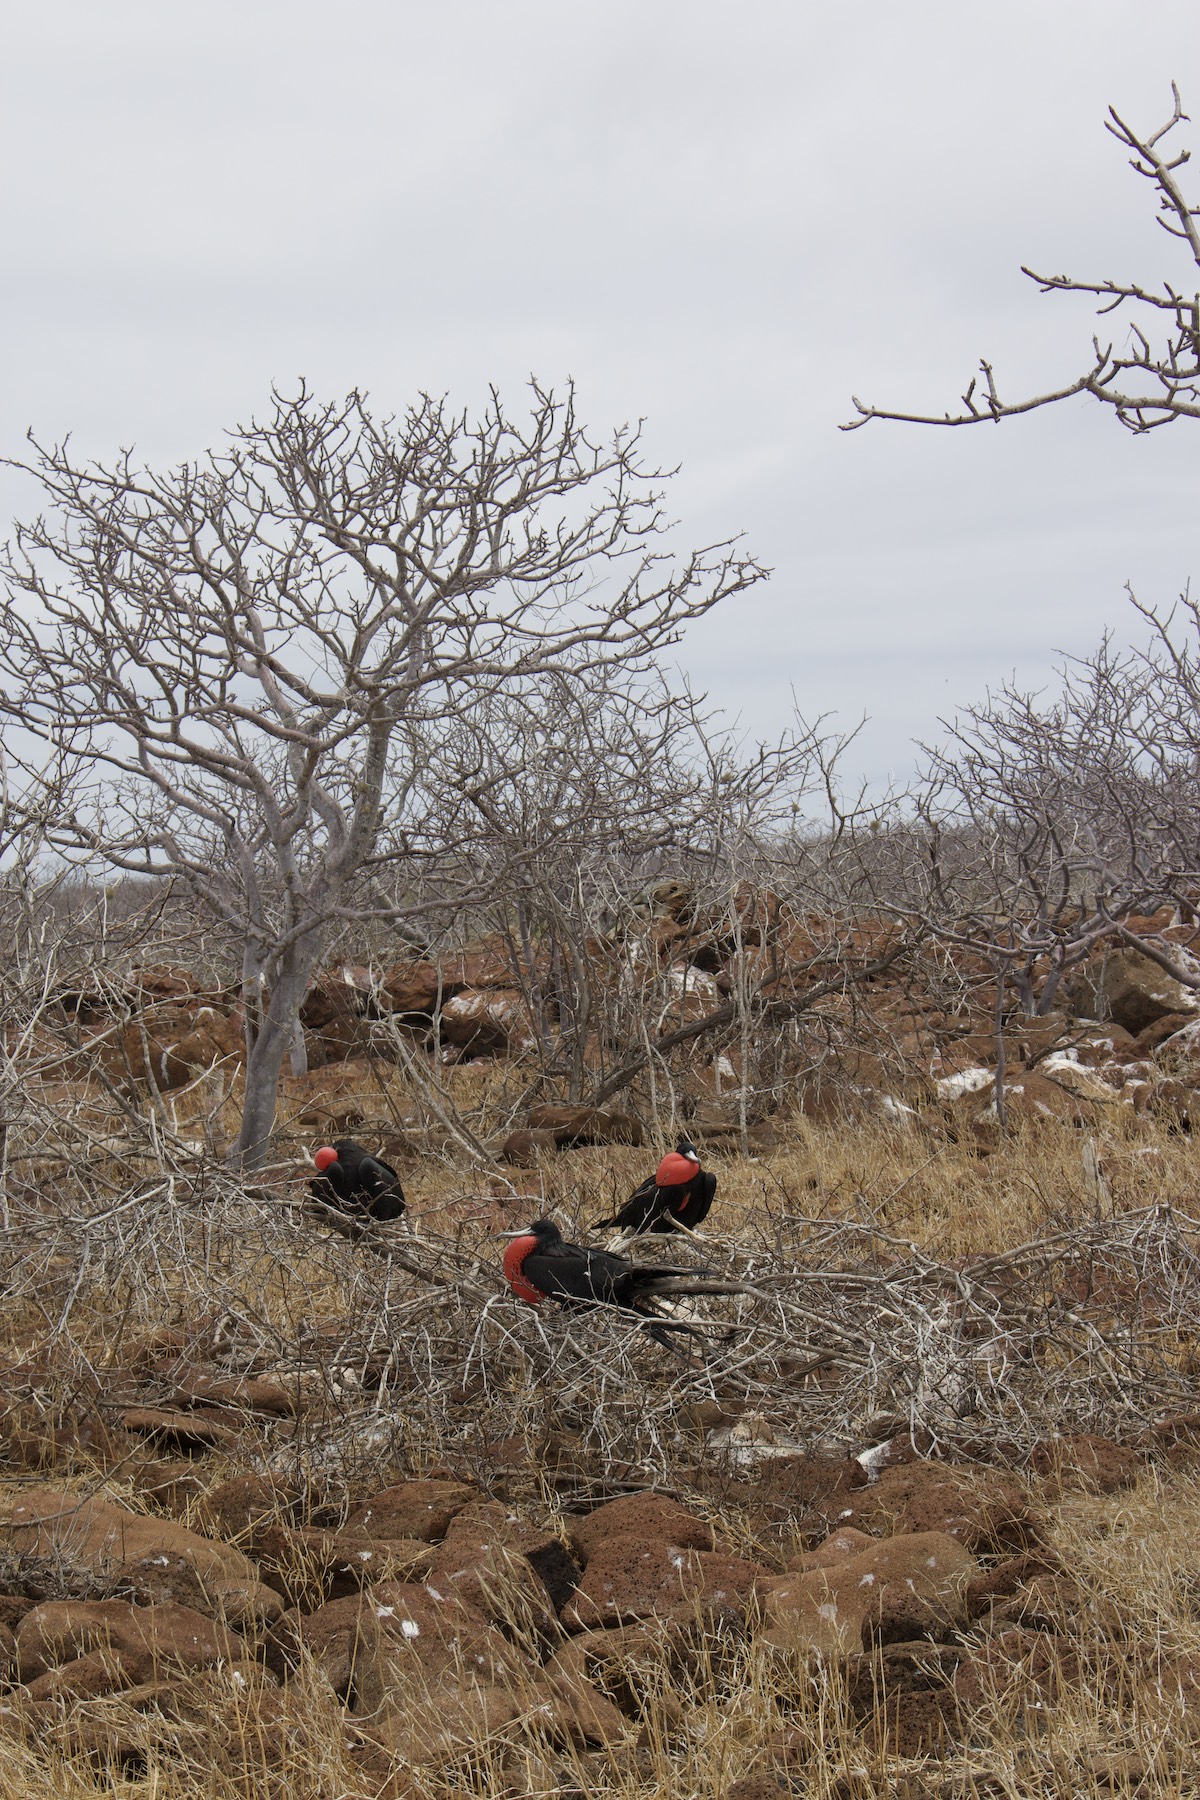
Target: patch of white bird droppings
(384, 1612)
(967, 1081)
(410, 1629)
(828, 1611)
(867, 1580)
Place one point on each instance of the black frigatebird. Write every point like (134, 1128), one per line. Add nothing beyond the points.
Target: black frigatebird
(354, 1182)
(678, 1193)
(540, 1265)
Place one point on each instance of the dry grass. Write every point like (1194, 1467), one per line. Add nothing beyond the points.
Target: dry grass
(841, 1233)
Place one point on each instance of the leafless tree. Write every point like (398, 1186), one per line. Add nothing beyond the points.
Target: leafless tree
(1055, 823)
(1154, 379)
(244, 660)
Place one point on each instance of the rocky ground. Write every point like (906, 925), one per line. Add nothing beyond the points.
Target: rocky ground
(914, 1512)
(280, 1516)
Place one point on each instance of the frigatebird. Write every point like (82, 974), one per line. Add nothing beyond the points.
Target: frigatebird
(540, 1265)
(356, 1183)
(678, 1193)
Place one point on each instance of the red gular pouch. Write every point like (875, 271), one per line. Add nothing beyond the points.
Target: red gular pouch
(514, 1258)
(674, 1170)
(324, 1157)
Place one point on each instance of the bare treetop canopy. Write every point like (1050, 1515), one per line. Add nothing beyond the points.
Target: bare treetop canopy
(1146, 383)
(243, 665)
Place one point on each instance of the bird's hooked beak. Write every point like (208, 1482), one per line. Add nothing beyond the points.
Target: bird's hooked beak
(521, 1231)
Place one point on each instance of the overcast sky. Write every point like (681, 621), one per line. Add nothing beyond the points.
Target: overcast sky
(724, 218)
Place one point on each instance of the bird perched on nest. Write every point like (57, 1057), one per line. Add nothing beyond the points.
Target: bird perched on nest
(678, 1193)
(540, 1265)
(356, 1183)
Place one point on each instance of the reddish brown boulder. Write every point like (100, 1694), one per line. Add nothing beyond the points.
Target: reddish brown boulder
(1082, 1462)
(578, 1126)
(59, 1631)
(986, 1509)
(903, 1587)
(1031, 1663)
(523, 1149)
(903, 1698)
(435, 1678)
(413, 1509)
(655, 1518)
(1126, 986)
(627, 1578)
(310, 1565)
(87, 1677)
(245, 1502)
(102, 1536)
(836, 1548)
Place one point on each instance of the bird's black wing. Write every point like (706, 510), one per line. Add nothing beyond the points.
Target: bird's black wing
(333, 1187)
(702, 1189)
(571, 1272)
(379, 1188)
(642, 1206)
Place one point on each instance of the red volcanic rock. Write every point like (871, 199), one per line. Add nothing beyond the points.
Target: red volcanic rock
(310, 1564)
(582, 1125)
(102, 1536)
(59, 1631)
(835, 1549)
(903, 1697)
(628, 1579)
(88, 1677)
(910, 1585)
(1085, 1463)
(985, 1509)
(1033, 1663)
(654, 1518)
(413, 1509)
(522, 1149)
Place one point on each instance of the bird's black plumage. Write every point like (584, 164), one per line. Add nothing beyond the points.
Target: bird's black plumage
(541, 1265)
(360, 1184)
(663, 1206)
